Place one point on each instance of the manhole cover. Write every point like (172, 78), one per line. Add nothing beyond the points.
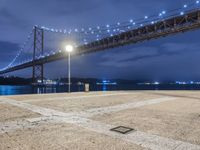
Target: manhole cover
(122, 129)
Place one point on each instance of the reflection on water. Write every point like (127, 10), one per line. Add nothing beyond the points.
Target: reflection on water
(104, 88)
(41, 90)
(28, 89)
(12, 90)
(15, 90)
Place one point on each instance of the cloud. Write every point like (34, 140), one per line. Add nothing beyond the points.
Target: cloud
(8, 51)
(127, 57)
(180, 47)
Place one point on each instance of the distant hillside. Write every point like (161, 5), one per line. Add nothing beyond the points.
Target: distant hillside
(24, 81)
(14, 81)
(94, 80)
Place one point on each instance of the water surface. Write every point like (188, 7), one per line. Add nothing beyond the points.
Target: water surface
(28, 89)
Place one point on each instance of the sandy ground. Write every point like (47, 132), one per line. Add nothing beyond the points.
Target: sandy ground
(82, 121)
(13, 113)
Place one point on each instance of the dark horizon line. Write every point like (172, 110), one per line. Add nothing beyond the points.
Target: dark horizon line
(100, 79)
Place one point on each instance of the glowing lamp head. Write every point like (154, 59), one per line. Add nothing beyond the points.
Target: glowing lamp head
(69, 48)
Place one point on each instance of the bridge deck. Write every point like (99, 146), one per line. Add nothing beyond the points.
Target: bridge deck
(161, 119)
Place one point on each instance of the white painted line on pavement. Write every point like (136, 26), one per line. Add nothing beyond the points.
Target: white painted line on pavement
(120, 107)
(143, 139)
(73, 97)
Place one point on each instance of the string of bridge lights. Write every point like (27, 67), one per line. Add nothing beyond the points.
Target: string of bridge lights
(99, 32)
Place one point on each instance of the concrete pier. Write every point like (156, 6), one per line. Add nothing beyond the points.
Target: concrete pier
(167, 120)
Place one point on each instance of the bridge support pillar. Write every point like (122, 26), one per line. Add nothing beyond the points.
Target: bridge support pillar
(38, 50)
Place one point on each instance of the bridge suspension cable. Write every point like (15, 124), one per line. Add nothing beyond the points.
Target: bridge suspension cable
(22, 48)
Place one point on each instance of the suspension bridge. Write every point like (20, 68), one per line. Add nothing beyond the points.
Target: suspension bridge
(104, 37)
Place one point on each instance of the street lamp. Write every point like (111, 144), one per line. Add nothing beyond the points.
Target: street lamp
(69, 49)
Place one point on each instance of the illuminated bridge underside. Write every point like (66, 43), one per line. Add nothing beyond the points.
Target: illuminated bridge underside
(175, 24)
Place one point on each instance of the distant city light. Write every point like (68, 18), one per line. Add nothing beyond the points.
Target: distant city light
(106, 82)
(156, 83)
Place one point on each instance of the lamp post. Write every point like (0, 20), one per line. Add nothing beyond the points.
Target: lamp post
(69, 49)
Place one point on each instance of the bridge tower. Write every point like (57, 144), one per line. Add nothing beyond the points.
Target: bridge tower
(38, 49)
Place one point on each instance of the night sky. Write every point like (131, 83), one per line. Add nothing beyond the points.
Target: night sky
(172, 58)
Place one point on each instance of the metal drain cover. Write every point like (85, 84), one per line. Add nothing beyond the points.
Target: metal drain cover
(122, 129)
